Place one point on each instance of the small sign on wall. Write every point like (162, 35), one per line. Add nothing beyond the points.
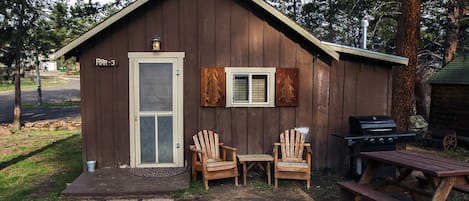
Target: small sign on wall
(100, 62)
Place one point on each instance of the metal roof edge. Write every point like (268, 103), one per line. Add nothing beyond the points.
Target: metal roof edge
(367, 53)
(300, 30)
(98, 28)
(448, 82)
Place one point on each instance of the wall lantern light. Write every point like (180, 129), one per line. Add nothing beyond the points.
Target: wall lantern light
(156, 43)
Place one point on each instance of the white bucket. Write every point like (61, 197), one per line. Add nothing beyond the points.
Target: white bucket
(91, 165)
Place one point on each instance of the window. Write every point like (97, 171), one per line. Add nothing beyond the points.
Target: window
(250, 87)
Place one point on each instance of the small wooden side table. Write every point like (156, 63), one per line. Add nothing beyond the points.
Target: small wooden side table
(263, 161)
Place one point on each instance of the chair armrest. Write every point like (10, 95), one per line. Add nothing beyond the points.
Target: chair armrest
(228, 147)
(197, 150)
(201, 154)
(276, 145)
(233, 152)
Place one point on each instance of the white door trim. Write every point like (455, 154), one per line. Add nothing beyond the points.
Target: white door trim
(177, 59)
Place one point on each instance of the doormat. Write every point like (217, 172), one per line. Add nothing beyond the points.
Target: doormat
(158, 172)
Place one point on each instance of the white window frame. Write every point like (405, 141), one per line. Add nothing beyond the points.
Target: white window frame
(232, 71)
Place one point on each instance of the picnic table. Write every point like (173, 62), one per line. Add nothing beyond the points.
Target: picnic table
(441, 174)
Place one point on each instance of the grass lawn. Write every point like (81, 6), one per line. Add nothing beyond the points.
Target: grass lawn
(27, 83)
(37, 165)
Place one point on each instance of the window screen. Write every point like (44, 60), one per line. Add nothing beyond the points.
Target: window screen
(241, 88)
(259, 88)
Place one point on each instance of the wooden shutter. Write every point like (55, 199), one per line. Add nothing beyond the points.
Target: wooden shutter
(286, 87)
(212, 87)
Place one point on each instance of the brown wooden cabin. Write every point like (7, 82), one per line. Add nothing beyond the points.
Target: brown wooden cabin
(449, 108)
(328, 82)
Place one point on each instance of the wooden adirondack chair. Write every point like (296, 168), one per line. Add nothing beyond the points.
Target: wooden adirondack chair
(292, 164)
(206, 158)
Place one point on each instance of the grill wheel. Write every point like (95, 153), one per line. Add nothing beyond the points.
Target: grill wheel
(450, 142)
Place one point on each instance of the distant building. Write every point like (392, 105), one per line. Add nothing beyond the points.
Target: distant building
(450, 97)
(46, 64)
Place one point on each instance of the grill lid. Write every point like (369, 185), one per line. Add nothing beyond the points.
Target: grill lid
(371, 125)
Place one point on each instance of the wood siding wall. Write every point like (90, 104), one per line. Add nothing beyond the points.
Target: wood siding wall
(449, 108)
(225, 33)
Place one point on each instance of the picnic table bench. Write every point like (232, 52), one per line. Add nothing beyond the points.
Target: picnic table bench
(363, 191)
(442, 174)
(462, 188)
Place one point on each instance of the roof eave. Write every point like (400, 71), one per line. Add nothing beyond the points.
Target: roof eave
(368, 54)
(98, 28)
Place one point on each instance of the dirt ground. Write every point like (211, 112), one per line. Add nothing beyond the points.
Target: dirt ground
(323, 187)
(253, 191)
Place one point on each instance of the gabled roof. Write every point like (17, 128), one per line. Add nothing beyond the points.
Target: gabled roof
(367, 53)
(329, 48)
(124, 12)
(455, 72)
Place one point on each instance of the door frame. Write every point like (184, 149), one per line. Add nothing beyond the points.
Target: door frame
(177, 59)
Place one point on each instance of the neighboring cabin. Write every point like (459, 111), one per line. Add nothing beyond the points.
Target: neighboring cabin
(140, 108)
(449, 108)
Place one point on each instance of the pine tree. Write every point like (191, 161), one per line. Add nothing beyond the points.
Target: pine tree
(408, 38)
(23, 24)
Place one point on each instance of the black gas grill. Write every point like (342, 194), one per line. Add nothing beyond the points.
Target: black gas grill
(372, 133)
(375, 133)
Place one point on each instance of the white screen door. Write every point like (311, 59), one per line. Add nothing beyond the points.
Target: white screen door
(156, 109)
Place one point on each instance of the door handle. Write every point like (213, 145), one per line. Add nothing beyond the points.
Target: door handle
(178, 145)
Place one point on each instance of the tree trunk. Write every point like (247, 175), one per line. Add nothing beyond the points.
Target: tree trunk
(404, 76)
(455, 12)
(17, 109)
(38, 81)
(18, 48)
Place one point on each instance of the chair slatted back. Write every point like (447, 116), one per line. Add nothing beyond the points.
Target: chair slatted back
(292, 145)
(208, 141)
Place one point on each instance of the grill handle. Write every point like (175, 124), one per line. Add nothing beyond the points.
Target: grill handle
(381, 130)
